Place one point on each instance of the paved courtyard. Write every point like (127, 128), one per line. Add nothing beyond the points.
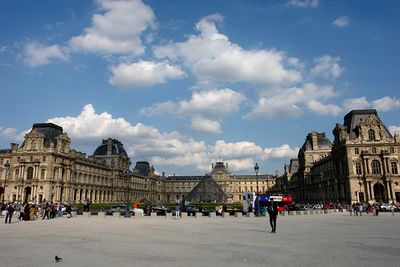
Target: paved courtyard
(308, 240)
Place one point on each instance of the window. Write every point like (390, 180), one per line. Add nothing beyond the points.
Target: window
(29, 173)
(33, 145)
(358, 168)
(44, 158)
(42, 173)
(371, 134)
(391, 149)
(376, 167)
(374, 150)
(356, 151)
(393, 164)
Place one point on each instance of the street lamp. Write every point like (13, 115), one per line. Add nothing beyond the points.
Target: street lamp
(127, 209)
(7, 166)
(256, 169)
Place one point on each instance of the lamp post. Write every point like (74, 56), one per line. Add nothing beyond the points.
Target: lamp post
(7, 166)
(127, 208)
(256, 169)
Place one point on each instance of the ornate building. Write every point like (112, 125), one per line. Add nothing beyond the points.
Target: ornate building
(178, 187)
(44, 167)
(362, 164)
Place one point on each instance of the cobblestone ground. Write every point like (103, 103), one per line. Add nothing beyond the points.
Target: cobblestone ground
(308, 240)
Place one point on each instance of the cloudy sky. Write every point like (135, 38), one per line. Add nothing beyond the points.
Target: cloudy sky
(185, 83)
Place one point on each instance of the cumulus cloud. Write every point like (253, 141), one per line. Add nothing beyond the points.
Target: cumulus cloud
(293, 101)
(327, 67)
(36, 54)
(163, 150)
(382, 104)
(214, 103)
(356, 103)
(210, 55)
(323, 109)
(116, 29)
(200, 124)
(386, 103)
(303, 3)
(143, 74)
(341, 21)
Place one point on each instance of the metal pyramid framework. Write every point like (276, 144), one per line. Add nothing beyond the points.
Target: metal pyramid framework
(207, 190)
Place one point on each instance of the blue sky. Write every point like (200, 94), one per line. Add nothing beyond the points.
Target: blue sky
(185, 83)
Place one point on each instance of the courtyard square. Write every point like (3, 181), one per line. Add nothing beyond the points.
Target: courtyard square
(335, 239)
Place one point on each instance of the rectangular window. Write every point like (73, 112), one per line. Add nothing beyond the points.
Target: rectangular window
(42, 173)
(393, 164)
(356, 151)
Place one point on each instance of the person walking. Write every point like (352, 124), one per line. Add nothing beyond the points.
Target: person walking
(177, 211)
(393, 209)
(273, 214)
(10, 212)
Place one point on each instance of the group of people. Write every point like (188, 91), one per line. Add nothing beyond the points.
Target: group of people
(357, 209)
(31, 211)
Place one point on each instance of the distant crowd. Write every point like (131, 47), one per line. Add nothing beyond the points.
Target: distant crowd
(31, 211)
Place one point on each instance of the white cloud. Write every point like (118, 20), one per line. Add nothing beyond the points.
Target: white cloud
(327, 67)
(215, 103)
(382, 104)
(36, 54)
(355, 103)
(292, 102)
(394, 129)
(341, 21)
(323, 109)
(143, 74)
(386, 103)
(3, 48)
(171, 150)
(11, 135)
(210, 55)
(200, 124)
(303, 3)
(116, 29)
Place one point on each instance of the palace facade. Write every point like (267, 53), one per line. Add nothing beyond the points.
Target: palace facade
(45, 167)
(361, 165)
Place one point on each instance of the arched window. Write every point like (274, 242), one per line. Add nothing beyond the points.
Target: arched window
(29, 173)
(371, 134)
(376, 167)
(358, 168)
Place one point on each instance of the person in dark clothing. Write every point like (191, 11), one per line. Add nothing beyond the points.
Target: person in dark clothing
(273, 214)
(46, 211)
(26, 212)
(10, 212)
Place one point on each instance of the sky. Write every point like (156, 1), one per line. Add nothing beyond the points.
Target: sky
(183, 84)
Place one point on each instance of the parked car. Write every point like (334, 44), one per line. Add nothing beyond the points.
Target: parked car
(118, 207)
(160, 209)
(191, 210)
(387, 207)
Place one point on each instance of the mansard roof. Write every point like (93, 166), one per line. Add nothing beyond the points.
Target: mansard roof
(117, 148)
(354, 118)
(322, 140)
(142, 167)
(49, 130)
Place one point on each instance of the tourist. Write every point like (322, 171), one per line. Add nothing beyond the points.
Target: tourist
(273, 214)
(360, 208)
(177, 207)
(393, 209)
(21, 212)
(10, 211)
(46, 211)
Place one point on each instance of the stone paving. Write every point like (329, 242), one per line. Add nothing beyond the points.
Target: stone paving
(335, 239)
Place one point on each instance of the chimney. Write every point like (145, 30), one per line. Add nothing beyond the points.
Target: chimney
(109, 146)
(14, 147)
(314, 140)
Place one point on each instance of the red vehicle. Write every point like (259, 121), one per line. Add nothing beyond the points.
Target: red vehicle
(283, 201)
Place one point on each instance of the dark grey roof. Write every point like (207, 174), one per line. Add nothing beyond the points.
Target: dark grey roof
(5, 151)
(354, 117)
(219, 166)
(117, 148)
(49, 130)
(184, 178)
(142, 167)
(323, 142)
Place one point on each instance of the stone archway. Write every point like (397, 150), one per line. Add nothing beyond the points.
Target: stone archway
(379, 192)
(27, 194)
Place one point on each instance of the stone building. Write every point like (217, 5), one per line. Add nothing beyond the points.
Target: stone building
(178, 187)
(44, 167)
(362, 164)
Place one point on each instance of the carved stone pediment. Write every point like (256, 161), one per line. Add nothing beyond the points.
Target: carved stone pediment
(371, 121)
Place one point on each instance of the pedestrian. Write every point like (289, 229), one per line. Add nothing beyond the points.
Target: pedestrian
(273, 214)
(360, 209)
(177, 208)
(10, 212)
(393, 209)
(376, 210)
(46, 211)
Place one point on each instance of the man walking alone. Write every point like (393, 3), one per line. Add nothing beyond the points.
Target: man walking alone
(273, 213)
